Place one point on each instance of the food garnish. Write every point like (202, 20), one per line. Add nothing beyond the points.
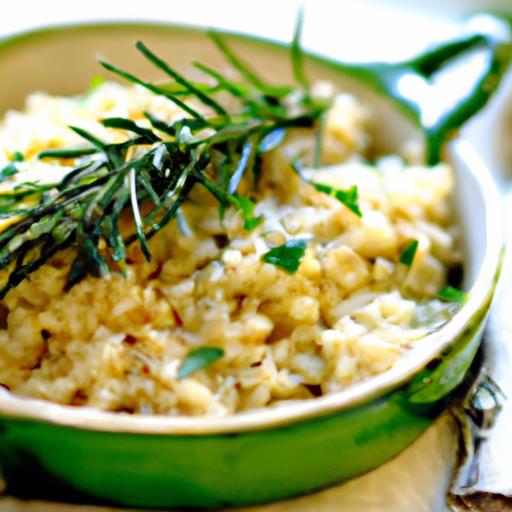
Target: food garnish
(348, 197)
(198, 359)
(407, 256)
(154, 171)
(451, 294)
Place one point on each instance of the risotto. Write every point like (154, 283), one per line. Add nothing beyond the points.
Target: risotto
(319, 295)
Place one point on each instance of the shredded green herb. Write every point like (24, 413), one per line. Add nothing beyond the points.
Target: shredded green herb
(7, 171)
(155, 167)
(348, 197)
(407, 256)
(451, 294)
(198, 359)
(10, 169)
(319, 141)
(298, 55)
(287, 256)
(67, 153)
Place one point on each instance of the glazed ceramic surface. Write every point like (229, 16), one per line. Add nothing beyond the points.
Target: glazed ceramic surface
(262, 455)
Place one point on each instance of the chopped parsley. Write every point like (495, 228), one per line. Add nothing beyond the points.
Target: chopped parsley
(10, 169)
(287, 256)
(451, 294)
(348, 197)
(407, 256)
(152, 173)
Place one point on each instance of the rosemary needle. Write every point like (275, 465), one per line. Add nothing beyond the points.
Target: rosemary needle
(156, 167)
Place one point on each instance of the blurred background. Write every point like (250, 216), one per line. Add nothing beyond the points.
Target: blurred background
(350, 29)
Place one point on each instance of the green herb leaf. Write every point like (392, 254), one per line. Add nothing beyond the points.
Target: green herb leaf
(153, 88)
(240, 66)
(84, 209)
(179, 90)
(287, 256)
(348, 197)
(297, 54)
(129, 125)
(198, 359)
(7, 171)
(87, 261)
(158, 124)
(11, 169)
(451, 294)
(236, 90)
(180, 79)
(246, 158)
(67, 153)
(246, 208)
(241, 203)
(88, 136)
(407, 256)
(136, 215)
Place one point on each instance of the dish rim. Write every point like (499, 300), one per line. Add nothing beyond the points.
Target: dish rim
(87, 418)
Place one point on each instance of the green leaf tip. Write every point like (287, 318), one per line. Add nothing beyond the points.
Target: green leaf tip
(287, 256)
(407, 256)
(349, 197)
(451, 294)
(198, 359)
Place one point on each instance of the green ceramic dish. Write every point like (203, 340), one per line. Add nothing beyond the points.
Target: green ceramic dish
(266, 454)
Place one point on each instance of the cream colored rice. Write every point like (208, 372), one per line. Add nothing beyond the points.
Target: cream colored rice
(348, 313)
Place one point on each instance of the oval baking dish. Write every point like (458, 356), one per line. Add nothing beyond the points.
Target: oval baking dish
(265, 454)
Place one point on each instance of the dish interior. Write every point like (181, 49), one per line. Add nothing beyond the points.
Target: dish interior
(76, 64)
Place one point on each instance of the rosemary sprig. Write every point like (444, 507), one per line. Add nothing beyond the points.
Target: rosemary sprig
(153, 172)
